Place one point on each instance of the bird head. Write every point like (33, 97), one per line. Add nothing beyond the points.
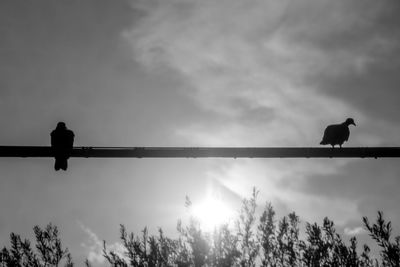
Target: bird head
(350, 121)
(61, 125)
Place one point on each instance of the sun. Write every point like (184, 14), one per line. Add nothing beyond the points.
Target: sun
(211, 213)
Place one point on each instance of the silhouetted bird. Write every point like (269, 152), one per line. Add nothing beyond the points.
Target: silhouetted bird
(62, 141)
(336, 134)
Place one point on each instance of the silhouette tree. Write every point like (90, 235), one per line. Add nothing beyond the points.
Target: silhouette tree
(49, 251)
(263, 241)
(266, 236)
(248, 244)
(224, 250)
(381, 233)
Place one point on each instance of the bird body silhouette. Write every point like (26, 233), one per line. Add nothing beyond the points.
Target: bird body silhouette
(337, 134)
(62, 141)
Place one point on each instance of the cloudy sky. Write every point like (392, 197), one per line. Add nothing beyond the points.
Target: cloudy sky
(195, 73)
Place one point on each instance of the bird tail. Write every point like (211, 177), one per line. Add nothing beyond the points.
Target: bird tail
(61, 163)
(57, 165)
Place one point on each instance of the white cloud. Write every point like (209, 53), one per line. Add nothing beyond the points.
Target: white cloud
(230, 50)
(94, 247)
(354, 231)
(243, 58)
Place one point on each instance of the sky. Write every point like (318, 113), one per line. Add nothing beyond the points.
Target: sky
(195, 73)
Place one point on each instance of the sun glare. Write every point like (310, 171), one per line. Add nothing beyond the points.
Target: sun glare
(212, 213)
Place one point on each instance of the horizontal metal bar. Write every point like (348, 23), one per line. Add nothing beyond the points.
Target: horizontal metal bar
(206, 152)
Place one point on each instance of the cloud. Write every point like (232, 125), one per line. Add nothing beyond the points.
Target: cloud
(275, 73)
(358, 40)
(354, 231)
(243, 67)
(94, 246)
(303, 63)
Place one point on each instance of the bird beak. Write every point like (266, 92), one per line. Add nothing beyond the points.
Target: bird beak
(354, 124)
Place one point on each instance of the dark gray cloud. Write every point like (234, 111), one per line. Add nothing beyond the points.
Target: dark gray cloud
(53, 56)
(360, 178)
(374, 92)
(360, 41)
(371, 185)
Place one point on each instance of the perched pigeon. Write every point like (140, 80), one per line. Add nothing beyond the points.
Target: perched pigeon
(62, 141)
(337, 134)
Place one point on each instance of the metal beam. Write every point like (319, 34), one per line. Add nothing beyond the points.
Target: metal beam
(206, 152)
